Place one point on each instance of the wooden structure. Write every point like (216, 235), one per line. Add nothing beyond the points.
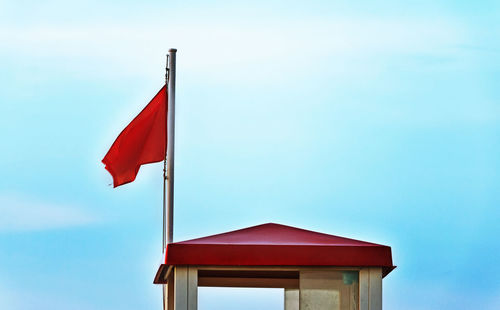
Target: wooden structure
(317, 271)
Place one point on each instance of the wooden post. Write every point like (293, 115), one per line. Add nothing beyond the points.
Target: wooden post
(370, 289)
(292, 299)
(169, 293)
(192, 288)
(186, 288)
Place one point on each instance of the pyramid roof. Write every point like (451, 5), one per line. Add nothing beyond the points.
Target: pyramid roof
(278, 245)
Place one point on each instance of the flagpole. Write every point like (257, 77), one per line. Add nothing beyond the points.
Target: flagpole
(170, 146)
(168, 165)
(164, 209)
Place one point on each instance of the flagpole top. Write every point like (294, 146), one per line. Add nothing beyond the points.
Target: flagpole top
(172, 50)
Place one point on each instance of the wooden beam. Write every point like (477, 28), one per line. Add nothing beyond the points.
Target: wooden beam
(248, 282)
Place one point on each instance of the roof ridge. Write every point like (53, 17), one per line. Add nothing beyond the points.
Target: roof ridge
(255, 227)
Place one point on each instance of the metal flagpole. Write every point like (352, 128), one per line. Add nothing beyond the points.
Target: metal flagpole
(163, 230)
(168, 164)
(170, 146)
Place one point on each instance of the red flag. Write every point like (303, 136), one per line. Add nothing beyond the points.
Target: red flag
(143, 141)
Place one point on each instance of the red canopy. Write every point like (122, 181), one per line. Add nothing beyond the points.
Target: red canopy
(278, 245)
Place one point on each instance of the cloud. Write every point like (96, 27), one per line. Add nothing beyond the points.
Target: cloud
(21, 214)
(118, 48)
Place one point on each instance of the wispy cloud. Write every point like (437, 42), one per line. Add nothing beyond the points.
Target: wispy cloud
(18, 213)
(209, 43)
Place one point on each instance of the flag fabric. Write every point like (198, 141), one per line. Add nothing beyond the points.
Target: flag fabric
(143, 141)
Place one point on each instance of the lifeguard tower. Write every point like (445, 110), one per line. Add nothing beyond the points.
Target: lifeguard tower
(316, 270)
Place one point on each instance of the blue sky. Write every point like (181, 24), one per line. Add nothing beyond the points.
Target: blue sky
(372, 120)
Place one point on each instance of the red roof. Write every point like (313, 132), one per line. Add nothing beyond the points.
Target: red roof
(278, 245)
